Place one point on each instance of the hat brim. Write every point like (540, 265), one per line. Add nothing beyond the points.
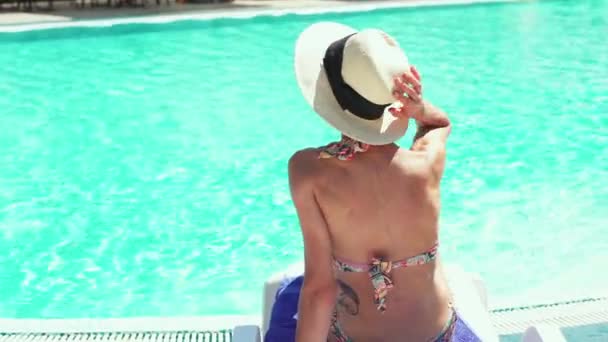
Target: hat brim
(309, 52)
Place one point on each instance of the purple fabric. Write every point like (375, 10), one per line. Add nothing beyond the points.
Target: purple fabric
(283, 322)
(462, 332)
(282, 325)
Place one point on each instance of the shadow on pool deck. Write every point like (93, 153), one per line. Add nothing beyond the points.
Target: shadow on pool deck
(63, 11)
(67, 12)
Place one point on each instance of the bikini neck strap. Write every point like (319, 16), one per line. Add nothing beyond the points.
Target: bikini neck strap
(345, 149)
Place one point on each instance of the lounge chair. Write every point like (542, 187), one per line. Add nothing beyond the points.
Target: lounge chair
(469, 292)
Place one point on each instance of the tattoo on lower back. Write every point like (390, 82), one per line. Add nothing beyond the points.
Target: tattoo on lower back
(348, 300)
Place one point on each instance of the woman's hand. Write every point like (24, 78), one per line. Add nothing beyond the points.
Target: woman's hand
(408, 92)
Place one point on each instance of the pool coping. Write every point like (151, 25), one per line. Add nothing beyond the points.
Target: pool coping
(563, 314)
(506, 321)
(131, 325)
(240, 13)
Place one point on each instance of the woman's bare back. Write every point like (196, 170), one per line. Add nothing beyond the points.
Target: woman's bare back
(384, 204)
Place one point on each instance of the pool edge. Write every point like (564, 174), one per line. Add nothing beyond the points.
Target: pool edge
(505, 322)
(238, 13)
(131, 325)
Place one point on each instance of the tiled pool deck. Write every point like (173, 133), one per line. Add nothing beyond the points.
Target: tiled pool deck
(580, 320)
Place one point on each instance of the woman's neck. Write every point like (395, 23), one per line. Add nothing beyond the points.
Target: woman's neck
(346, 139)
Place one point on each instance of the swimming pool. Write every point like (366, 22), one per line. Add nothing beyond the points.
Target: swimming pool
(144, 166)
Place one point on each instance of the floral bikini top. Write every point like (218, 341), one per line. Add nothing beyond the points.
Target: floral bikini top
(379, 270)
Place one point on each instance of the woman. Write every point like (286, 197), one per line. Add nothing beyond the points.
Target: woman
(369, 209)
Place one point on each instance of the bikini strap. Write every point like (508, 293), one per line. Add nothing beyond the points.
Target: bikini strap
(345, 149)
(420, 259)
(380, 275)
(445, 335)
(379, 271)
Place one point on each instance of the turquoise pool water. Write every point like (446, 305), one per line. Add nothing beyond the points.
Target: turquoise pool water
(143, 167)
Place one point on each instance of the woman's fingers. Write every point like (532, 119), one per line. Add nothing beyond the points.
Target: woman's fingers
(407, 82)
(411, 79)
(405, 93)
(415, 72)
(408, 91)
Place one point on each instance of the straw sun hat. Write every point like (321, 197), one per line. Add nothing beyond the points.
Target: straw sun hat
(347, 78)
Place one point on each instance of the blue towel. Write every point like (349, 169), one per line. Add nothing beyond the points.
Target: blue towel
(283, 318)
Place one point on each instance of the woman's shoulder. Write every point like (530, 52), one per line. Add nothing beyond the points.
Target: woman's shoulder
(304, 169)
(307, 154)
(304, 162)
